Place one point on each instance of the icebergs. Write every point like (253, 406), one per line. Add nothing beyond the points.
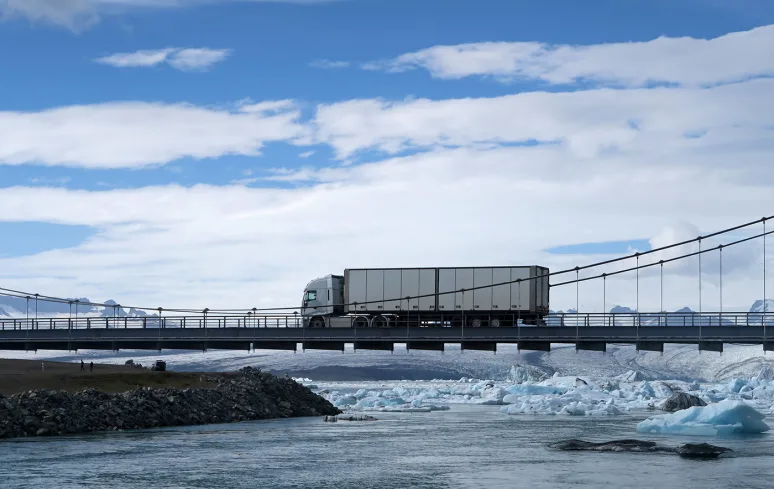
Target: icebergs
(557, 395)
(632, 376)
(526, 373)
(723, 418)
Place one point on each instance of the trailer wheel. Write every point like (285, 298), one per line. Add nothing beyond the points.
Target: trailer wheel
(380, 322)
(475, 323)
(360, 322)
(495, 322)
(317, 322)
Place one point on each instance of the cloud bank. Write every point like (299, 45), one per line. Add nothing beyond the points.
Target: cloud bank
(666, 60)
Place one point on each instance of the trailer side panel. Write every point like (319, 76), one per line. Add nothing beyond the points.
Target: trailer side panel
(447, 282)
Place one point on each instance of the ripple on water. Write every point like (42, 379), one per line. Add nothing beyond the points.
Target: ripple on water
(467, 447)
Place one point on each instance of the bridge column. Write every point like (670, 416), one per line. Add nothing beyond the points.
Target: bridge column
(650, 346)
(716, 346)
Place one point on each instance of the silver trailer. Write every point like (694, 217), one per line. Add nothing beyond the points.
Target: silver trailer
(383, 297)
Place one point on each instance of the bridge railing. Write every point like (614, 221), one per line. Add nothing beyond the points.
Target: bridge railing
(646, 319)
(730, 319)
(152, 322)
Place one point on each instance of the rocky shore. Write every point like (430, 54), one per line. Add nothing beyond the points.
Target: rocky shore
(248, 395)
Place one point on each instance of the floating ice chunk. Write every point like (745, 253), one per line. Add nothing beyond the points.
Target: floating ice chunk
(345, 401)
(766, 373)
(573, 409)
(532, 390)
(361, 394)
(661, 389)
(632, 376)
(609, 409)
(492, 396)
(735, 385)
(723, 418)
(433, 407)
(646, 390)
(522, 373)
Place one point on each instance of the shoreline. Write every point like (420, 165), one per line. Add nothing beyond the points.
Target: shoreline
(246, 395)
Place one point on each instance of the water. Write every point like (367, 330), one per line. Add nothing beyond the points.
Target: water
(467, 447)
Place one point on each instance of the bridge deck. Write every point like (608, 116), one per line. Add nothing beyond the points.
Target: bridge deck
(430, 338)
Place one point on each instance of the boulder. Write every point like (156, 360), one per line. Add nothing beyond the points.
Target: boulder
(701, 450)
(610, 446)
(680, 401)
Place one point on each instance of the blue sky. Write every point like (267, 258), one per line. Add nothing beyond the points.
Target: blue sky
(272, 48)
(273, 45)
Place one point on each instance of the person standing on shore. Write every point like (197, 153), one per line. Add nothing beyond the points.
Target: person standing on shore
(83, 366)
(91, 366)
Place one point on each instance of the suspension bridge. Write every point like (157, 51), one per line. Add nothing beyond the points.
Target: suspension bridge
(282, 328)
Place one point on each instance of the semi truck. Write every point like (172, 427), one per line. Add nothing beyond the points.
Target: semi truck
(450, 297)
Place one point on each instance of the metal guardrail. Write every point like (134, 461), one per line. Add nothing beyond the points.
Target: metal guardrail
(152, 322)
(662, 319)
(706, 319)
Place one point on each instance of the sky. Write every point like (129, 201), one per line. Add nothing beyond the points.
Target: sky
(223, 153)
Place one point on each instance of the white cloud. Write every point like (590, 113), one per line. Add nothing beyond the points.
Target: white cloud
(77, 15)
(586, 123)
(184, 59)
(235, 246)
(684, 60)
(138, 134)
(271, 106)
(327, 64)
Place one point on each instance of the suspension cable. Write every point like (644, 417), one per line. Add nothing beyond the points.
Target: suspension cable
(45, 298)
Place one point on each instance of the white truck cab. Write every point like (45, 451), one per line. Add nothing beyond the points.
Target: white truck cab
(323, 297)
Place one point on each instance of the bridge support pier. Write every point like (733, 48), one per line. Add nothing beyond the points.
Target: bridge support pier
(768, 346)
(534, 345)
(374, 345)
(324, 345)
(479, 346)
(716, 346)
(275, 345)
(650, 346)
(591, 346)
(425, 345)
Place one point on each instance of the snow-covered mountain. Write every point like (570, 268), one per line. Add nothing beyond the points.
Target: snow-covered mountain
(16, 307)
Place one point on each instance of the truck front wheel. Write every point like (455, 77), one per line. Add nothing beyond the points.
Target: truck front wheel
(317, 322)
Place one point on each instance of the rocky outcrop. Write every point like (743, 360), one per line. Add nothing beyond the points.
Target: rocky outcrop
(249, 395)
(701, 450)
(611, 446)
(680, 401)
(689, 450)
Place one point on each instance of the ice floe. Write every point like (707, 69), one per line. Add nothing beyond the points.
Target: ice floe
(723, 418)
(529, 392)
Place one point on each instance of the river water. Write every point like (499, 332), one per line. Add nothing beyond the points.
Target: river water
(466, 447)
